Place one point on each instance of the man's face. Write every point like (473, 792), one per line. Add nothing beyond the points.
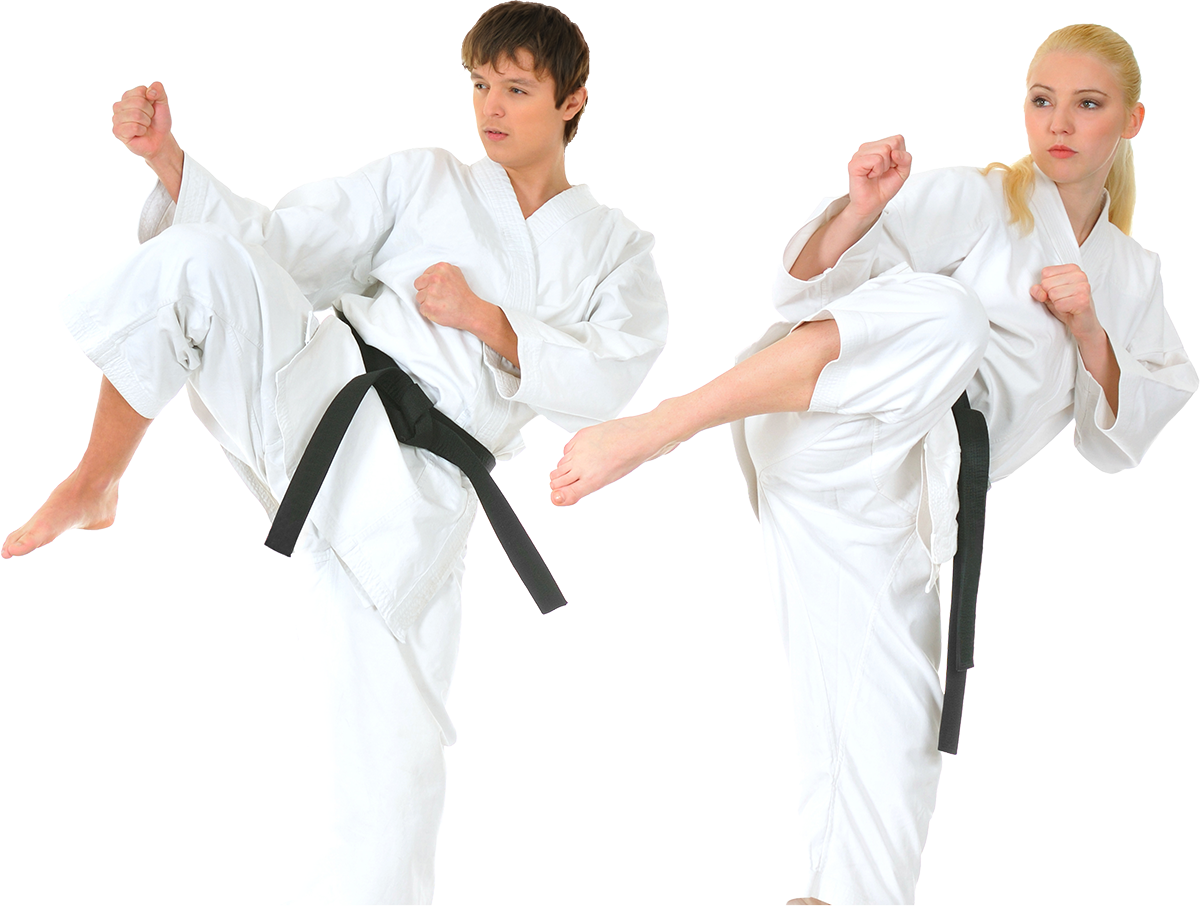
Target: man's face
(514, 109)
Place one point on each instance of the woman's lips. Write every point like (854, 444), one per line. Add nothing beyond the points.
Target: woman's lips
(1061, 152)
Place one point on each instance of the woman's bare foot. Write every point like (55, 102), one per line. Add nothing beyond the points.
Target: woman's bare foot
(805, 901)
(599, 455)
(73, 504)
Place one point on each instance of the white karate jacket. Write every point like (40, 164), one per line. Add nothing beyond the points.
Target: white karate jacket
(1032, 381)
(576, 281)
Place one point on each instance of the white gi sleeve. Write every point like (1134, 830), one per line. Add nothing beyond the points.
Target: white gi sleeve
(324, 234)
(930, 227)
(1156, 380)
(585, 372)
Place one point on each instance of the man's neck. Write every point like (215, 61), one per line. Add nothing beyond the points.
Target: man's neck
(536, 186)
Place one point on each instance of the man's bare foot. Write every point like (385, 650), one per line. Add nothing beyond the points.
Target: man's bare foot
(599, 455)
(73, 504)
(806, 901)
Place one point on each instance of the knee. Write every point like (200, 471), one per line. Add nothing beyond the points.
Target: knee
(953, 323)
(196, 252)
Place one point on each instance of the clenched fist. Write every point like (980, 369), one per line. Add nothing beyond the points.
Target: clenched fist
(445, 298)
(1067, 295)
(877, 171)
(142, 120)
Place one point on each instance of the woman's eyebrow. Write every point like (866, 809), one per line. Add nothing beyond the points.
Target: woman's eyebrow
(1077, 91)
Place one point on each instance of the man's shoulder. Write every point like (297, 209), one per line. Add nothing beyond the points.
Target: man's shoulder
(418, 162)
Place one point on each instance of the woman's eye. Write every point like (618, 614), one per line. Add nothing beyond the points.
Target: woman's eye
(1089, 104)
(1040, 102)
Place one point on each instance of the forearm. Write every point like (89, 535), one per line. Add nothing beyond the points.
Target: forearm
(492, 326)
(831, 240)
(1101, 362)
(168, 166)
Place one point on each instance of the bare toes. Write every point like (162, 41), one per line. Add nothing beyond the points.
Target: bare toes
(564, 497)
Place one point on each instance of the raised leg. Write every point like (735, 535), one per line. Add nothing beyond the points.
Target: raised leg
(780, 378)
(192, 306)
(87, 499)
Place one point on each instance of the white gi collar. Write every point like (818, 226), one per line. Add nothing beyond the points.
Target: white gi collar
(1051, 218)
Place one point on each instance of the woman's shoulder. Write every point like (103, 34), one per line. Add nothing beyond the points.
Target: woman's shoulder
(962, 190)
(1126, 257)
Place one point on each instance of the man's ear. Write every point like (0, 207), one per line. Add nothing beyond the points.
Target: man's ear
(573, 103)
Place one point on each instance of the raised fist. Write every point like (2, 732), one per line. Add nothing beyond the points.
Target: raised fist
(877, 171)
(142, 120)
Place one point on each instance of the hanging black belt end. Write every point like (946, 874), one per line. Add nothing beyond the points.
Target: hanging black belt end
(972, 497)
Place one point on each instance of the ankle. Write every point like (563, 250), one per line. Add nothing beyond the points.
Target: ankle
(90, 481)
(673, 421)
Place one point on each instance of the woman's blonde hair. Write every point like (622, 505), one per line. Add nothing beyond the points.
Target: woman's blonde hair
(1109, 47)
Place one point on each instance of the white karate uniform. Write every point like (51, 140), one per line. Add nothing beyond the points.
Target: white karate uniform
(223, 302)
(857, 495)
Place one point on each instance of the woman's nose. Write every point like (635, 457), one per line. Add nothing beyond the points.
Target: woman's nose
(1062, 123)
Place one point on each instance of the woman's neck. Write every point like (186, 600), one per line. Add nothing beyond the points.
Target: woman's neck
(1084, 205)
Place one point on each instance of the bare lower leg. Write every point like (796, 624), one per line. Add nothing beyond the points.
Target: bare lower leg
(87, 499)
(780, 378)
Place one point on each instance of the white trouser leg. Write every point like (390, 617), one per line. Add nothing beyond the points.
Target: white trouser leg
(839, 488)
(195, 306)
(388, 727)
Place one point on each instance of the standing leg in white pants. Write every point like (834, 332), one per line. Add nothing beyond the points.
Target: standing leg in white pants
(839, 491)
(388, 729)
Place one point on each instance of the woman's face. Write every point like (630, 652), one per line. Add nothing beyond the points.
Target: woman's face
(1074, 115)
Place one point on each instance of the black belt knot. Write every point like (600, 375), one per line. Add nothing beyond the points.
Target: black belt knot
(413, 422)
(416, 422)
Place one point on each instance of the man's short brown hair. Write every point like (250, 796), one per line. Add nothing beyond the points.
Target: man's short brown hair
(554, 41)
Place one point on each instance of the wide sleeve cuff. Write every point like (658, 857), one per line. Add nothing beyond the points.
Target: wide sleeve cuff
(505, 375)
(1147, 400)
(520, 385)
(158, 212)
(798, 300)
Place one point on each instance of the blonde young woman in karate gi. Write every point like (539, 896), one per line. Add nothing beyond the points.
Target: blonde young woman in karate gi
(504, 291)
(1016, 284)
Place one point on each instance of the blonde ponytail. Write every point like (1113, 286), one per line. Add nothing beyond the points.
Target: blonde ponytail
(1018, 184)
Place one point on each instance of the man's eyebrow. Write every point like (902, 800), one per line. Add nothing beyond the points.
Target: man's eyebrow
(507, 79)
(1078, 91)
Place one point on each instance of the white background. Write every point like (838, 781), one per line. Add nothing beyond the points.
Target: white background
(633, 747)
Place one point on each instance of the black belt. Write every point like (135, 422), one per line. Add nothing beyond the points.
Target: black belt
(972, 497)
(416, 423)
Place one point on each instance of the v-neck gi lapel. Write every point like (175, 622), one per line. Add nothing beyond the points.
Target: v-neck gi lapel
(1052, 220)
(1053, 223)
(558, 211)
(496, 189)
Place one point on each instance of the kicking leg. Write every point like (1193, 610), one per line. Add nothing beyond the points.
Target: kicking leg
(192, 306)
(780, 378)
(87, 499)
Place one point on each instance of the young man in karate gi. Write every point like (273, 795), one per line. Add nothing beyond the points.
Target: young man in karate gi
(503, 290)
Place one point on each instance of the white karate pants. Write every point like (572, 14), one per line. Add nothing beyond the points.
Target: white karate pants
(839, 489)
(195, 307)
